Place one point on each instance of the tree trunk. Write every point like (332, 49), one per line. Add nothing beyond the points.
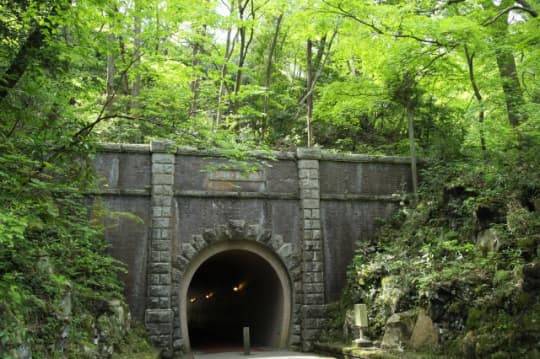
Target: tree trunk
(478, 95)
(136, 86)
(309, 99)
(268, 77)
(29, 50)
(195, 62)
(513, 93)
(506, 64)
(109, 90)
(229, 48)
(245, 42)
(412, 145)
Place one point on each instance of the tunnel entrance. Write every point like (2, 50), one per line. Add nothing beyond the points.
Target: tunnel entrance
(230, 290)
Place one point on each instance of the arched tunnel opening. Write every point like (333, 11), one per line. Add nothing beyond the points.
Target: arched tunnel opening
(231, 290)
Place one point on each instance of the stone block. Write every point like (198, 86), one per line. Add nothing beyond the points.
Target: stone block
(276, 241)
(162, 210)
(154, 257)
(209, 235)
(176, 276)
(308, 183)
(165, 168)
(162, 190)
(237, 228)
(198, 242)
(161, 201)
(315, 277)
(312, 256)
(153, 279)
(158, 268)
(161, 146)
(311, 245)
(308, 153)
(310, 288)
(158, 316)
(180, 261)
(161, 222)
(314, 311)
(164, 256)
(164, 302)
(314, 299)
(308, 173)
(223, 233)
(264, 236)
(159, 290)
(253, 231)
(160, 245)
(165, 279)
(310, 204)
(310, 193)
(312, 267)
(162, 158)
(178, 344)
(158, 328)
(163, 179)
(312, 224)
(285, 250)
(187, 250)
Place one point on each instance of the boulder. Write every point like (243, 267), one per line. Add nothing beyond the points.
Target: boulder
(398, 330)
(425, 334)
(392, 293)
(22, 352)
(488, 241)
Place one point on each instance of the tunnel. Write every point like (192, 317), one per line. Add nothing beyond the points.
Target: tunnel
(231, 290)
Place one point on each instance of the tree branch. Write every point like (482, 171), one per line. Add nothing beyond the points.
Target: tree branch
(507, 10)
(339, 10)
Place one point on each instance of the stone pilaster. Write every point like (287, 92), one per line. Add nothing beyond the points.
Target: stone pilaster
(159, 313)
(313, 309)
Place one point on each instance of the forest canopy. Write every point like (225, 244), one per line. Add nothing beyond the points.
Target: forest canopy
(339, 74)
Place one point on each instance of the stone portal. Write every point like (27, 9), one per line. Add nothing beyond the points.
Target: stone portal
(297, 218)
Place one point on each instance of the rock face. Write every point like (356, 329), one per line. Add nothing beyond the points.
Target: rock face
(398, 330)
(488, 241)
(425, 334)
(531, 277)
(391, 293)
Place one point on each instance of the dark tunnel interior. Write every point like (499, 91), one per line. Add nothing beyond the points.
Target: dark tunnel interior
(232, 290)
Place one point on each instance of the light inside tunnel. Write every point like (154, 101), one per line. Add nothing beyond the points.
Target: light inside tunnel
(239, 287)
(259, 305)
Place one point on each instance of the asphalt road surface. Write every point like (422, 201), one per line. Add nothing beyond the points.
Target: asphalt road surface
(256, 353)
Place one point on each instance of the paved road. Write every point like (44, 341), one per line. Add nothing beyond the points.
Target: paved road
(261, 354)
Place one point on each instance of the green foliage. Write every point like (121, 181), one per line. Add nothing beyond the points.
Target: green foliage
(431, 256)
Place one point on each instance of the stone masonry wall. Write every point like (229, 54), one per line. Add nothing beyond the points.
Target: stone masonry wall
(311, 205)
(312, 245)
(159, 313)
